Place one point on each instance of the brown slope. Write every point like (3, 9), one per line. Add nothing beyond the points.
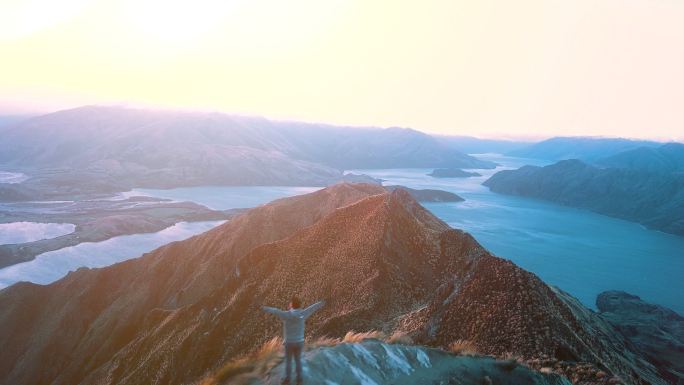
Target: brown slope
(505, 309)
(382, 263)
(358, 257)
(61, 332)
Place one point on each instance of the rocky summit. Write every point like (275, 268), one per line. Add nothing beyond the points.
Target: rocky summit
(380, 260)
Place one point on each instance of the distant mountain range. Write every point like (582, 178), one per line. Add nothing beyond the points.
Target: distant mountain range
(587, 149)
(381, 261)
(655, 199)
(473, 145)
(666, 158)
(102, 149)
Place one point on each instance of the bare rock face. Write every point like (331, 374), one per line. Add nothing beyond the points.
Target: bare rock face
(379, 259)
(656, 330)
(373, 362)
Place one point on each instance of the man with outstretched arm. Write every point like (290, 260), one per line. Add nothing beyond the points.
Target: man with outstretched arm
(293, 333)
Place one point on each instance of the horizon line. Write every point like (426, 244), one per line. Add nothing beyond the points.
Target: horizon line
(33, 113)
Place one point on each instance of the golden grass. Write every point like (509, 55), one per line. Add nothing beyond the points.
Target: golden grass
(252, 365)
(353, 337)
(323, 342)
(463, 348)
(350, 338)
(399, 338)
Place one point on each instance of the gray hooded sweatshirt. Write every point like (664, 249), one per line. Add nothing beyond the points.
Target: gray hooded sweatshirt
(293, 320)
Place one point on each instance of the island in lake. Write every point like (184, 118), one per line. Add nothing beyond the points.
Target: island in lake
(428, 195)
(451, 173)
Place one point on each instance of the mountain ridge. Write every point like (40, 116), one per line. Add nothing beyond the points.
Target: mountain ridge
(380, 259)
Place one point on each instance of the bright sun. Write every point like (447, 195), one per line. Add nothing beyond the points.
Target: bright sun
(176, 21)
(19, 18)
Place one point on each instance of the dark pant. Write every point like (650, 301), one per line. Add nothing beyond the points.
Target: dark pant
(293, 350)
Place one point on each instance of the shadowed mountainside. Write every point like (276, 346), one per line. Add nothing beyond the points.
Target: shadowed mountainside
(379, 259)
(656, 330)
(655, 200)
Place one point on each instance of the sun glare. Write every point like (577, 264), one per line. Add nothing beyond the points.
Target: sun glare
(178, 22)
(20, 18)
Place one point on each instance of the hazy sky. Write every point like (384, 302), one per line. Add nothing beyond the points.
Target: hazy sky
(477, 67)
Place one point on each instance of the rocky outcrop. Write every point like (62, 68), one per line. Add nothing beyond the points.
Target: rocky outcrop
(655, 200)
(428, 195)
(656, 330)
(451, 173)
(374, 363)
(380, 260)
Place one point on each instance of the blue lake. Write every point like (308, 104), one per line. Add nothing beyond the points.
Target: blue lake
(579, 251)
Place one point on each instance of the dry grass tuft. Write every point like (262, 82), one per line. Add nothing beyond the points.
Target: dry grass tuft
(353, 337)
(323, 342)
(463, 348)
(253, 365)
(399, 338)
